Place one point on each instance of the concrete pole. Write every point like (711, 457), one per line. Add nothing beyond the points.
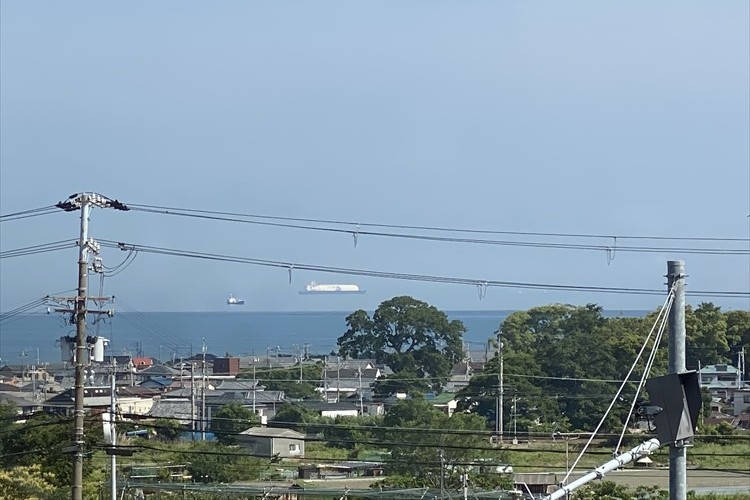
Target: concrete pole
(113, 457)
(80, 353)
(203, 393)
(677, 450)
(502, 390)
(192, 402)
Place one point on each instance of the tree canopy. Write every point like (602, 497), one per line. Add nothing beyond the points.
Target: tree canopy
(562, 362)
(230, 420)
(408, 335)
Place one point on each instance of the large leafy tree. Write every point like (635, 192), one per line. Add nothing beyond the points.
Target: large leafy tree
(294, 417)
(230, 420)
(408, 335)
(706, 335)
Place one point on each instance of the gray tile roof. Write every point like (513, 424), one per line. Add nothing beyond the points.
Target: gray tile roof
(273, 432)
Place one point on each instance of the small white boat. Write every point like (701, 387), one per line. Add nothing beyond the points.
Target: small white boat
(234, 301)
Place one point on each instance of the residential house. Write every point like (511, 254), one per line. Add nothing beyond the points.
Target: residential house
(331, 410)
(179, 409)
(95, 399)
(741, 401)
(461, 374)
(445, 402)
(273, 442)
(721, 380)
(339, 383)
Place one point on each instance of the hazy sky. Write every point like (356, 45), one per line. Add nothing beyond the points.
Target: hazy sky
(618, 118)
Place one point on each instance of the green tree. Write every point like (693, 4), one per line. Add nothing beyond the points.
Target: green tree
(706, 335)
(604, 490)
(738, 333)
(294, 417)
(212, 463)
(168, 429)
(230, 420)
(26, 481)
(408, 335)
(424, 441)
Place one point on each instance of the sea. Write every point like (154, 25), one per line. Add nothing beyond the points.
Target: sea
(35, 338)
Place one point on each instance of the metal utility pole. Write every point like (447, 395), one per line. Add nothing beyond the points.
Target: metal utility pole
(677, 450)
(84, 202)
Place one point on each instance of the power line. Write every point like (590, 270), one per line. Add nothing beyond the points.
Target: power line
(187, 211)
(356, 232)
(403, 276)
(36, 249)
(34, 212)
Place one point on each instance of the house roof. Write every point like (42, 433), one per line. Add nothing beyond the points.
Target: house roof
(323, 406)
(137, 391)
(160, 381)
(237, 385)
(273, 432)
(159, 370)
(92, 396)
(442, 398)
(718, 369)
(261, 397)
(179, 409)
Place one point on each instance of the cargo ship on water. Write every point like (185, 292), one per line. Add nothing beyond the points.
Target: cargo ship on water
(314, 288)
(234, 301)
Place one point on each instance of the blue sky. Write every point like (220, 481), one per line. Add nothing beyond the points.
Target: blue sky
(620, 118)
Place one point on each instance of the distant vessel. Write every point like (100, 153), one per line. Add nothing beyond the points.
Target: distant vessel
(234, 301)
(314, 288)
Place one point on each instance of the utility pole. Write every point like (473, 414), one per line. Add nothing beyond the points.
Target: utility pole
(677, 450)
(112, 429)
(255, 383)
(338, 378)
(84, 202)
(192, 401)
(500, 404)
(515, 419)
(203, 393)
(361, 403)
(442, 474)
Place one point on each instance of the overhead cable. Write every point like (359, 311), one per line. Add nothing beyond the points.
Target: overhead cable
(34, 212)
(357, 231)
(172, 210)
(403, 276)
(37, 249)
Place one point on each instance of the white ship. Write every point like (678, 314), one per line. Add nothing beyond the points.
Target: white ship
(314, 288)
(234, 301)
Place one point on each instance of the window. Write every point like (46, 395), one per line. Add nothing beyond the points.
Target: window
(746, 398)
(294, 448)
